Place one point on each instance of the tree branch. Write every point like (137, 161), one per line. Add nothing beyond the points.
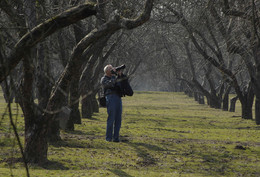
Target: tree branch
(75, 63)
(42, 31)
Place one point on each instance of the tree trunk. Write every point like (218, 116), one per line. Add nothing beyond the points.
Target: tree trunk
(74, 104)
(94, 103)
(70, 123)
(27, 97)
(190, 93)
(75, 117)
(43, 83)
(257, 111)
(233, 104)
(201, 99)
(226, 99)
(44, 90)
(87, 109)
(247, 102)
(63, 52)
(225, 102)
(36, 145)
(257, 83)
(247, 111)
(83, 106)
(215, 103)
(195, 96)
(4, 89)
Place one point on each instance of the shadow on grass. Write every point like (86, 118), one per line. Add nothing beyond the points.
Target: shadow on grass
(53, 165)
(71, 144)
(79, 132)
(120, 173)
(148, 146)
(92, 118)
(50, 165)
(249, 128)
(142, 150)
(12, 160)
(76, 132)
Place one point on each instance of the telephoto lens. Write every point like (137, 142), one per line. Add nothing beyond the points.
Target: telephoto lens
(118, 68)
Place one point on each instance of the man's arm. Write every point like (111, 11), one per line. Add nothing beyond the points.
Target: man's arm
(108, 83)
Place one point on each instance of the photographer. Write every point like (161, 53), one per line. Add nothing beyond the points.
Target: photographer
(114, 84)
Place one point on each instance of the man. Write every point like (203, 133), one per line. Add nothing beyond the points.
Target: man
(112, 89)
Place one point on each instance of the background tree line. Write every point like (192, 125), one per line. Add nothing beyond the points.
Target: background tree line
(55, 51)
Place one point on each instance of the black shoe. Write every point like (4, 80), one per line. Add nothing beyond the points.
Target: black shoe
(108, 140)
(116, 140)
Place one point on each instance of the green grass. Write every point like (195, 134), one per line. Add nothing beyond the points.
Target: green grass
(165, 134)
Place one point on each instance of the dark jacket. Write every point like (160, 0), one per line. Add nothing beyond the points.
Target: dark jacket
(110, 85)
(116, 85)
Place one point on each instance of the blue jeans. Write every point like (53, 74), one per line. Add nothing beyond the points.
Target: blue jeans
(114, 111)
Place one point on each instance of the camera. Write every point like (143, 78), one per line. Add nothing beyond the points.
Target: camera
(118, 68)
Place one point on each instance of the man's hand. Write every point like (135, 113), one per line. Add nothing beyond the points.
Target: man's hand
(113, 71)
(119, 73)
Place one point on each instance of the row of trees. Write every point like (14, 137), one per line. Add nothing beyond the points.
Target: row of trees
(51, 69)
(223, 35)
(210, 48)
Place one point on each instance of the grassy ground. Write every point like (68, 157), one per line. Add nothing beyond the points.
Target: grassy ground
(164, 134)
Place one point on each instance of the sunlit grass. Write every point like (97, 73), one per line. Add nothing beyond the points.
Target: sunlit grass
(164, 134)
